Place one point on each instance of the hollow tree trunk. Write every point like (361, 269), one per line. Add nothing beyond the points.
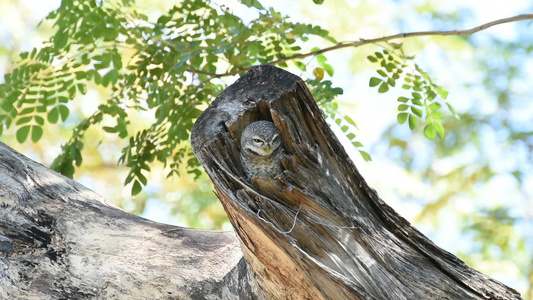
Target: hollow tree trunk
(319, 231)
(59, 240)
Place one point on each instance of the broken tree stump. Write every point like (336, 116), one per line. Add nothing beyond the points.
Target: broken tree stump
(319, 231)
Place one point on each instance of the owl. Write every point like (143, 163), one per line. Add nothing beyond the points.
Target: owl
(261, 150)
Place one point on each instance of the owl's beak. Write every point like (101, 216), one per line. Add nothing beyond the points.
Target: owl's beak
(268, 148)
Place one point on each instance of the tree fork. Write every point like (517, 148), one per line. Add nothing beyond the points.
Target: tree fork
(319, 231)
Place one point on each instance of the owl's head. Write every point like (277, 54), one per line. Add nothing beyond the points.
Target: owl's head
(260, 138)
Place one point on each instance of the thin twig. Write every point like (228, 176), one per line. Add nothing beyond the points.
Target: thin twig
(274, 226)
(362, 42)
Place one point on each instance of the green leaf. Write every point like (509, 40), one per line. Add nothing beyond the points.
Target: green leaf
(117, 61)
(136, 188)
(429, 131)
(431, 95)
(60, 40)
(82, 88)
(383, 88)
(439, 128)
(164, 19)
(85, 59)
(402, 99)
(113, 76)
(413, 122)
(329, 69)
(109, 129)
(142, 178)
(321, 59)
(36, 133)
(372, 58)
(318, 2)
(365, 155)
(403, 107)
(53, 115)
(39, 120)
(382, 73)
(24, 120)
(436, 115)
(64, 112)
(337, 91)
(402, 117)
(442, 92)
(434, 106)
(27, 110)
(22, 133)
(357, 144)
(300, 65)
(374, 81)
(350, 121)
(416, 102)
(417, 111)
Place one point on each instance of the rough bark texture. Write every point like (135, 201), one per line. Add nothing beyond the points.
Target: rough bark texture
(319, 231)
(59, 240)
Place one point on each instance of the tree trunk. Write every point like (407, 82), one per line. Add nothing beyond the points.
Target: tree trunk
(319, 231)
(59, 240)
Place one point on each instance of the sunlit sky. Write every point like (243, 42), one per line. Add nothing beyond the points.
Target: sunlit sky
(373, 119)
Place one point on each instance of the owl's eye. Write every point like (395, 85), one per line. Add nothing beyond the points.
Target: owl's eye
(275, 139)
(257, 141)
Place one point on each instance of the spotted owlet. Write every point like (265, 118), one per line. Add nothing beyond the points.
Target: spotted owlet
(261, 150)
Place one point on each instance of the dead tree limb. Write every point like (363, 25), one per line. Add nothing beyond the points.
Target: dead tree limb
(319, 231)
(59, 240)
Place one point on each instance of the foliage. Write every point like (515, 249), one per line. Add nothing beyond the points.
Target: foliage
(493, 231)
(424, 92)
(166, 68)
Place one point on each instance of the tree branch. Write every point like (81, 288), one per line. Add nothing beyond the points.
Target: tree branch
(361, 42)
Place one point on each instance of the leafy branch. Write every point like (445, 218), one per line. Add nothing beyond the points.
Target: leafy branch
(394, 66)
(362, 42)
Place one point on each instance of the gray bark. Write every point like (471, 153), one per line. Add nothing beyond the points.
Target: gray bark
(319, 231)
(59, 240)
